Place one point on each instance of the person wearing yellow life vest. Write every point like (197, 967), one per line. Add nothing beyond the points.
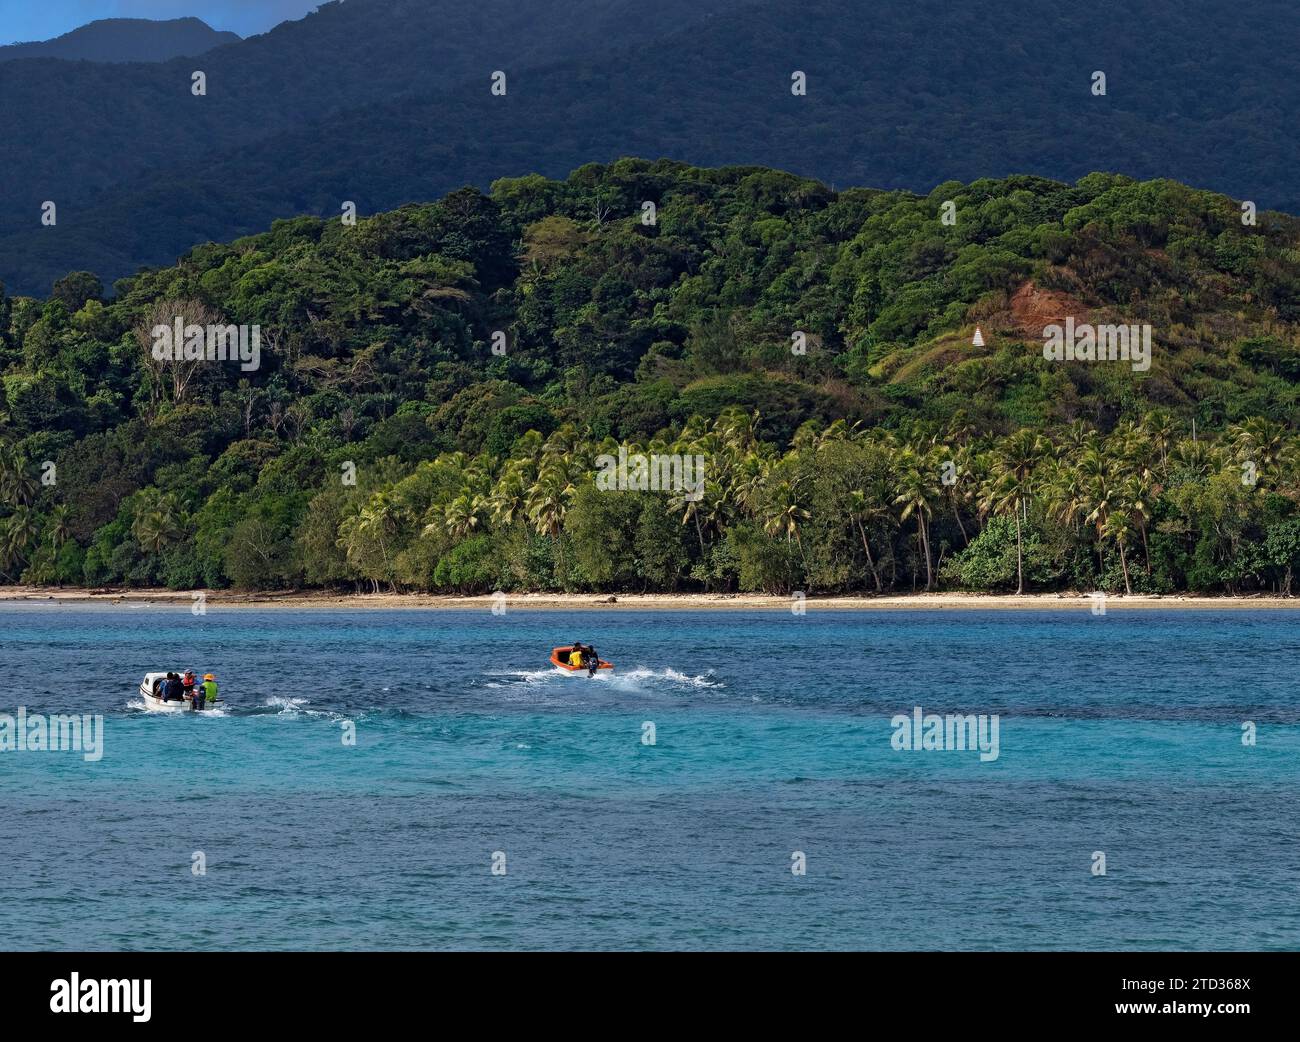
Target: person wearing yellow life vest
(209, 688)
(584, 656)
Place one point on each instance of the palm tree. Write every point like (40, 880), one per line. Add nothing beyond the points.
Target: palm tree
(460, 518)
(372, 527)
(840, 430)
(1061, 486)
(1197, 459)
(1137, 494)
(478, 477)
(528, 447)
(863, 510)
(1161, 427)
(19, 533)
(785, 513)
(1016, 458)
(963, 486)
(157, 520)
(562, 443)
(960, 430)
(1130, 443)
(509, 498)
(748, 481)
(917, 491)
(1076, 438)
(547, 501)
(17, 486)
(1101, 475)
(694, 505)
(1117, 529)
(1259, 441)
(59, 526)
(737, 427)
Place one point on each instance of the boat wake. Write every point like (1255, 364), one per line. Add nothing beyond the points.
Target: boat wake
(293, 707)
(137, 705)
(637, 679)
(672, 676)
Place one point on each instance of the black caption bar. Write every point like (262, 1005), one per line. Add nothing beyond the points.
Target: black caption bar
(143, 991)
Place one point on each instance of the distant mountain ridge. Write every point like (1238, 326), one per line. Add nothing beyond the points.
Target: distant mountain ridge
(126, 40)
(387, 101)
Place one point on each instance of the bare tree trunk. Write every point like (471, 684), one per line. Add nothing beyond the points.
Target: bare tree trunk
(870, 563)
(1020, 559)
(925, 548)
(956, 512)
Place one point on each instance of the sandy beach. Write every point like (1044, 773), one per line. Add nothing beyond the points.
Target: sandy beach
(629, 601)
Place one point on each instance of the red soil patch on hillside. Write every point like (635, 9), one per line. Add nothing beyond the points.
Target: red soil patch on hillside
(1032, 308)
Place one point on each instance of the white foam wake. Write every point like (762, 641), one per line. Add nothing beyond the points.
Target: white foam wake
(645, 675)
(284, 702)
(296, 706)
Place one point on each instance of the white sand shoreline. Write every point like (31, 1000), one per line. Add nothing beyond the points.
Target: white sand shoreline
(300, 599)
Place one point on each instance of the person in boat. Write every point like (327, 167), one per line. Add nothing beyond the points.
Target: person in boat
(173, 689)
(209, 688)
(189, 684)
(582, 656)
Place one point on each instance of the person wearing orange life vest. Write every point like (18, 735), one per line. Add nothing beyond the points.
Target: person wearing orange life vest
(189, 689)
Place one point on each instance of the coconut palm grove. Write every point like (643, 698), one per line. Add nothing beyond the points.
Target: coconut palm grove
(436, 384)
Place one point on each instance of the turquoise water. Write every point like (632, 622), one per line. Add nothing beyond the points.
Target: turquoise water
(1117, 733)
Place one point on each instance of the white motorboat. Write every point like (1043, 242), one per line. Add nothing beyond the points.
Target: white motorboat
(150, 688)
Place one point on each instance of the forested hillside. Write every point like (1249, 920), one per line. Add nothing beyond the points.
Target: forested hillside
(892, 453)
(385, 102)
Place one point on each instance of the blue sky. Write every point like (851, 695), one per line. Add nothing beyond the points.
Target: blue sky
(22, 20)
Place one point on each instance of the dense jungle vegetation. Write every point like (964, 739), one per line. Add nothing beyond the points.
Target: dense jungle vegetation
(892, 454)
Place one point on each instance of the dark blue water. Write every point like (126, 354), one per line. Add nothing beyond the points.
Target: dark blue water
(1120, 734)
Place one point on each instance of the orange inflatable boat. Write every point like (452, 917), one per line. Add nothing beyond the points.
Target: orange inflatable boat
(560, 658)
